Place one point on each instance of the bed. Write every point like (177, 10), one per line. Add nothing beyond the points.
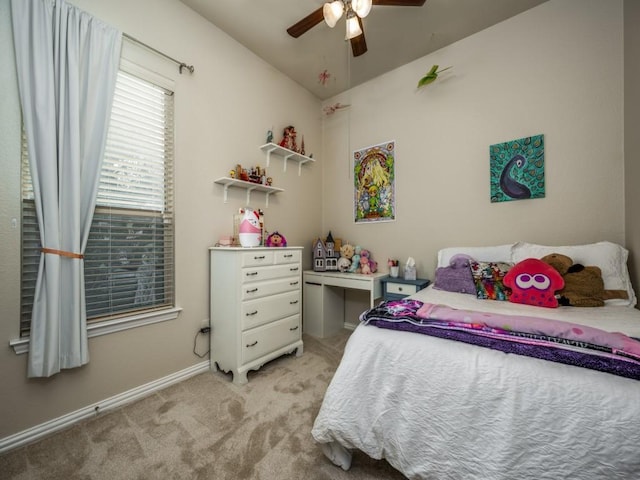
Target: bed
(436, 407)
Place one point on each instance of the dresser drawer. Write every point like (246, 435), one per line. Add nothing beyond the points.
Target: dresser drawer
(256, 258)
(271, 287)
(264, 310)
(254, 274)
(267, 338)
(402, 288)
(287, 256)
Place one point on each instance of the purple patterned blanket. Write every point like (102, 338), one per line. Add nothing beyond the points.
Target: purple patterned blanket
(407, 315)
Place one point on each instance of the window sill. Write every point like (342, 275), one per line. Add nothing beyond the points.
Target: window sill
(21, 345)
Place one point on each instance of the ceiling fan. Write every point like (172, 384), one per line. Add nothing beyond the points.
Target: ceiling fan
(355, 11)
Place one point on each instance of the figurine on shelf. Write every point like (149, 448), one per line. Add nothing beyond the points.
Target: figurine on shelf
(254, 175)
(302, 146)
(289, 139)
(269, 136)
(269, 181)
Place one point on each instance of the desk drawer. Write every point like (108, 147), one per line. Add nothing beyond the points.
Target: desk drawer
(401, 288)
(362, 283)
(267, 338)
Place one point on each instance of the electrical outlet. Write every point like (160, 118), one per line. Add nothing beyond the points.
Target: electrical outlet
(204, 326)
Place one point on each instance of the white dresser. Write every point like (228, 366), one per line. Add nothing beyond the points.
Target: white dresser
(255, 306)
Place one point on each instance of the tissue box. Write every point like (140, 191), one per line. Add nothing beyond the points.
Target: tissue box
(410, 273)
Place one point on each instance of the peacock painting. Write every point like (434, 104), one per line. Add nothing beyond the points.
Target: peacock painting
(517, 169)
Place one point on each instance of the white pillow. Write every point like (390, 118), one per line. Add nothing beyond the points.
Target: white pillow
(610, 257)
(498, 253)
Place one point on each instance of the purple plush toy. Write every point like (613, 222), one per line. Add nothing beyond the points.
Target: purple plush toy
(457, 276)
(276, 240)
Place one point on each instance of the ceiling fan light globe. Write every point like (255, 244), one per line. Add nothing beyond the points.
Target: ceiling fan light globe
(362, 7)
(353, 28)
(332, 12)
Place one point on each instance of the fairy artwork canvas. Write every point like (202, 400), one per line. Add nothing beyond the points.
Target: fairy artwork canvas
(374, 183)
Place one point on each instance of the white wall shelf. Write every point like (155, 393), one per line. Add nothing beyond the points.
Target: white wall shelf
(286, 154)
(248, 186)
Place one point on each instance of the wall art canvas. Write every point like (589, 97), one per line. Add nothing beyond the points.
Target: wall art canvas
(374, 183)
(517, 169)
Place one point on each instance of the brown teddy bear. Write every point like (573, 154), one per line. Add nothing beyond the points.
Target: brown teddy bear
(583, 286)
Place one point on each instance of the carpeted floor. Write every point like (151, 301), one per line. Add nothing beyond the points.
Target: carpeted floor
(207, 428)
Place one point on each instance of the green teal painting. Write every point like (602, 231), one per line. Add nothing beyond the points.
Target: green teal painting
(517, 169)
(374, 183)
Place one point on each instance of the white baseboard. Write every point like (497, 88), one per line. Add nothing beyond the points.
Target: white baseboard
(34, 433)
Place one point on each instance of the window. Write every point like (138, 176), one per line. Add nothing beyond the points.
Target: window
(129, 259)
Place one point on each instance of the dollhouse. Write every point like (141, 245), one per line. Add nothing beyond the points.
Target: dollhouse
(325, 254)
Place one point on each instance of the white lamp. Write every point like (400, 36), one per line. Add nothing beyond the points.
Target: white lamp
(332, 12)
(361, 7)
(353, 26)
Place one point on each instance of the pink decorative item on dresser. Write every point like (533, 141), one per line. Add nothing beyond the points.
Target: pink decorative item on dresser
(250, 234)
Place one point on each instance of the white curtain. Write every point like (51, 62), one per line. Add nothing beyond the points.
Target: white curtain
(67, 62)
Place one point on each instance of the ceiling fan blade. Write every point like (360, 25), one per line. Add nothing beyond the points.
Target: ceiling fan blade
(359, 44)
(400, 3)
(306, 24)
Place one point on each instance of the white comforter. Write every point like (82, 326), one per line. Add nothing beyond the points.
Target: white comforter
(439, 409)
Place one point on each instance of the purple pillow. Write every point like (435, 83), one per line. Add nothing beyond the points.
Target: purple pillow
(457, 276)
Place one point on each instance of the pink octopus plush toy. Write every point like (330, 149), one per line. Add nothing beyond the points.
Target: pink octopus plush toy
(534, 282)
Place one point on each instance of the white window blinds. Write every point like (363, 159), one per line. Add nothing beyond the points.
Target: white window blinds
(129, 260)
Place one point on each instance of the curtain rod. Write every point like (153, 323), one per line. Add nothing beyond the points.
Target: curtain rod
(180, 64)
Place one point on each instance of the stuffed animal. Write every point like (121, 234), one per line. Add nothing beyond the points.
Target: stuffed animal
(355, 260)
(583, 286)
(373, 265)
(276, 240)
(364, 266)
(456, 277)
(346, 251)
(346, 254)
(533, 282)
(343, 264)
(367, 264)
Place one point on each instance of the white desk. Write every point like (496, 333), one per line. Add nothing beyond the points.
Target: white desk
(323, 298)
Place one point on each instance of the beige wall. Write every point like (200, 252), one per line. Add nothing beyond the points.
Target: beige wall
(223, 112)
(556, 69)
(631, 137)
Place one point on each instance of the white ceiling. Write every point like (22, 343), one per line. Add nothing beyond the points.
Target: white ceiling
(394, 35)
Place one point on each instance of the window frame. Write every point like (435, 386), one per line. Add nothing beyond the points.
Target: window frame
(115, 322)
